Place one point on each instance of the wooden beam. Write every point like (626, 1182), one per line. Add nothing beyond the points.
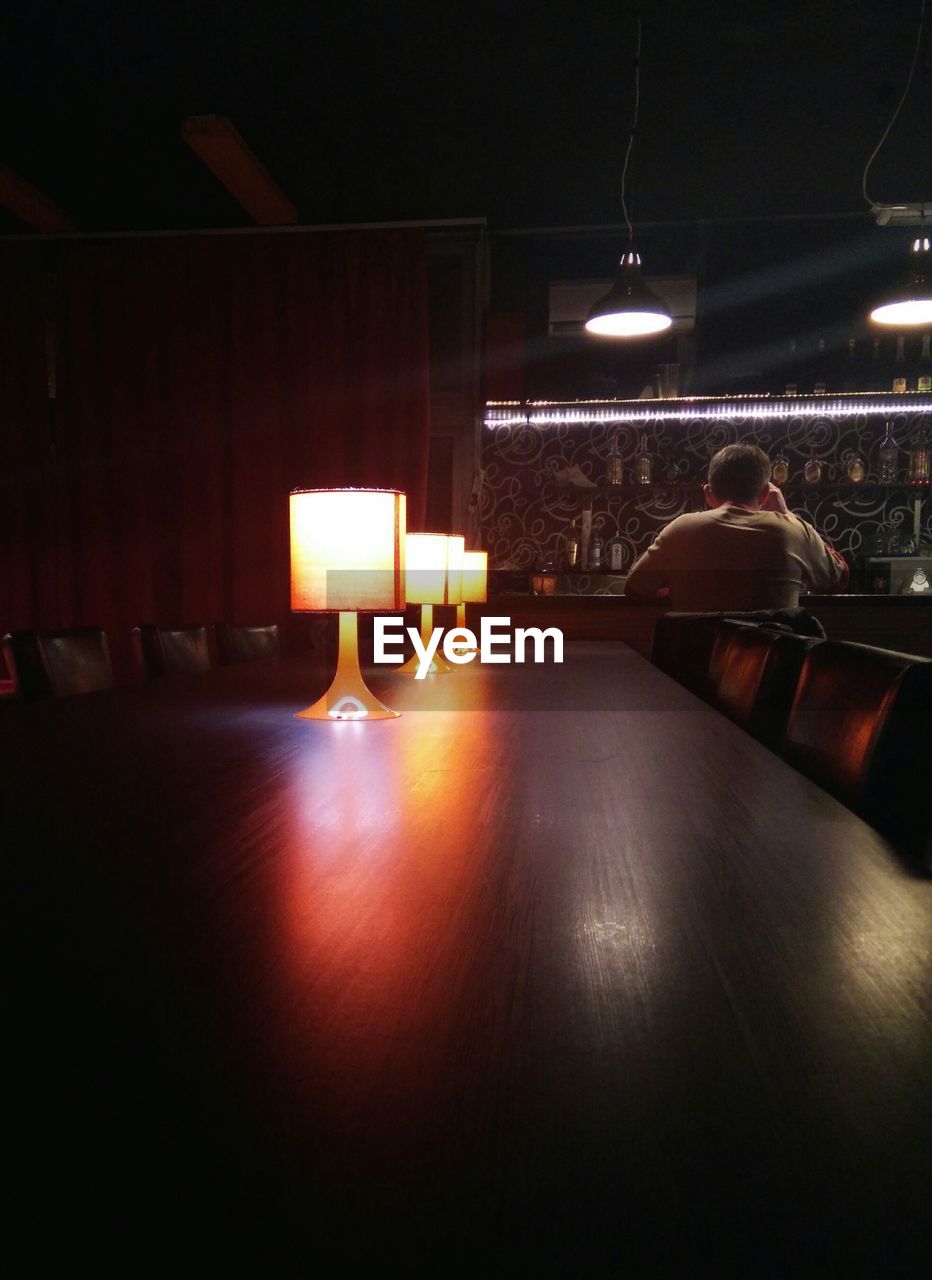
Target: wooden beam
(30, 205)
(216, 142)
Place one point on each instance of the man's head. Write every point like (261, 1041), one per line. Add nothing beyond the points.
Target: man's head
(739, 473)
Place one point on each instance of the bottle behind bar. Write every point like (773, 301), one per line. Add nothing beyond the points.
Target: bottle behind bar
(851, 366)
(900, 381)
(924, 366)
(875, 380)
(643, 464)
(572, 547)
(616, 555)
(595, 553)
(820, 370)
(888, 457)
(919, 459)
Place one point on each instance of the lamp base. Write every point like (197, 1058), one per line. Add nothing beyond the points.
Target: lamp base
(349, 697)
(438, 665)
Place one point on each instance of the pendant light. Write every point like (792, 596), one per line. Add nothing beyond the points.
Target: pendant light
(908, 304)
(630, 309)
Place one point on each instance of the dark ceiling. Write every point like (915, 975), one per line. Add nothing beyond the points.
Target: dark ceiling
(516, 111)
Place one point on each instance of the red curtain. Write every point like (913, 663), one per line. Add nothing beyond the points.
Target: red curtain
(199, 379)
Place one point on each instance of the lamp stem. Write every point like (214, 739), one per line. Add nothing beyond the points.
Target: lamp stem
(438, 664)
(349, 697)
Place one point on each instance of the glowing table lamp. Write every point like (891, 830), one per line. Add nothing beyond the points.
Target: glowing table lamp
(348, 557)
(433, 575)
(475, 582)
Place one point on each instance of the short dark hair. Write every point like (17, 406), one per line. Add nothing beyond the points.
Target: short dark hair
(738, 473)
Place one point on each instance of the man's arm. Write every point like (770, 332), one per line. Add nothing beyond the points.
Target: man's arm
(826, 569)
(648, 575)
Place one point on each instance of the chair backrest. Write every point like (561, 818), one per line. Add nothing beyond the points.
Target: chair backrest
(683, 642)
(171, 651)
(753, 674)
(245, 643)
(58, 664)
(861, 726)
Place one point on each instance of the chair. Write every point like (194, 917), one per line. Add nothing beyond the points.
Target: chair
(171, 651)
(682, 643)
(245, 644)
(58, 664)
(860, 727)
(753, 674)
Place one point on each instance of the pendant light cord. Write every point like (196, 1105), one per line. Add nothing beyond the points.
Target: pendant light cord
(909, 81)
(634, 125)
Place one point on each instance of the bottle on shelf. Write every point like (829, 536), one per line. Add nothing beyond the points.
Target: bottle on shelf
(792, 366)
(900, 381)
(820, 374)
(876, 380)
(572, 546)
(643, 464)
(812, 472)
(780, 470)
(919, 458)
(851, 366)
(595, 553)
(615, 555)
(614, 466)
(924, 365)
(888, 456)
(855, 468)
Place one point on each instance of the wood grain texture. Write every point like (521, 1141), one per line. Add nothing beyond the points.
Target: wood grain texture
(560, 970)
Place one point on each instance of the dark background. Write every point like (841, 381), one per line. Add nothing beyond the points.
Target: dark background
(756, 123)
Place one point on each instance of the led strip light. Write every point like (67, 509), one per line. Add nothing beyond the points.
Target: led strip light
(544, 413)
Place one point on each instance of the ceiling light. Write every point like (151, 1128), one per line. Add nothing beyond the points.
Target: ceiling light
(629, 309)
(911, 303)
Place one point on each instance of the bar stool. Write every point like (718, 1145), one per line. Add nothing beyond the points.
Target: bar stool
(171, 651)
(860, 727)
(753, 674)
(59, 664)
(245, 643)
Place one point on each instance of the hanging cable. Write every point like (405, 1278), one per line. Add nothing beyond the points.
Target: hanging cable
(909, 81)
(634, 125)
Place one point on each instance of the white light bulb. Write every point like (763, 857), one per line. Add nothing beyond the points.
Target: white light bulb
(628, 324)
(911, 311)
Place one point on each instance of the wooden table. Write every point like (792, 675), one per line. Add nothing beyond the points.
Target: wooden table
(558, 972)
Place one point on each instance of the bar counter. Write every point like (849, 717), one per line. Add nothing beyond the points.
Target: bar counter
(890, 622)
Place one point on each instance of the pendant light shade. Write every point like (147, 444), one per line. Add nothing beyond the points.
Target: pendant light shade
(910, 304)
(630, 309)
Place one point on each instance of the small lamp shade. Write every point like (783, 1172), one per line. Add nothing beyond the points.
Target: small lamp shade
(432, 568)
(347, 555)
(456, 550)
(347, 550)
(475, 577)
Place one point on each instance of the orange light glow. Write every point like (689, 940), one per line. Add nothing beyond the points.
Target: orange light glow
(347, 549)
(475, 576)
(432, 572)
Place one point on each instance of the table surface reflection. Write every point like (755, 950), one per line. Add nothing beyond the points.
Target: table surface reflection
(559, 969)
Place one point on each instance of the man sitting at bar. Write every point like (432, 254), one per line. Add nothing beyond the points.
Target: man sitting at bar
(747, 552)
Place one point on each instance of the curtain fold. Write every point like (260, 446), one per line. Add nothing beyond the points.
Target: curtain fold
(199, 380)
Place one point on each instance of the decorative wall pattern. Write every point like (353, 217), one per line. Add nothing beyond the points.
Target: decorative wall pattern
(525, 506)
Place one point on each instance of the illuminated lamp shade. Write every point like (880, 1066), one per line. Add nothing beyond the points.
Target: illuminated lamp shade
(475, 582)
(433, 575)
(910, 304)
(347, 557)
(629, 309)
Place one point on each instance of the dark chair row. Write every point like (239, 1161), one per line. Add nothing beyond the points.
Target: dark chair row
(56, 664)
(856, 719)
